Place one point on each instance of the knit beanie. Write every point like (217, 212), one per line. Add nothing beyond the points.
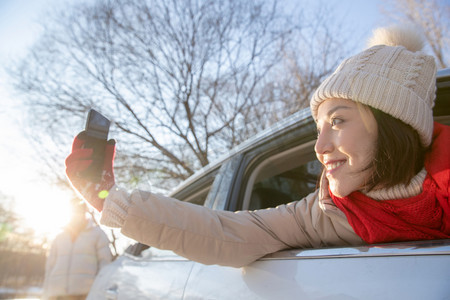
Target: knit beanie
(393, 76)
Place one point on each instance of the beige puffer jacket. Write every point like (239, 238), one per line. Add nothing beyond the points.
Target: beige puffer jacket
(71, 266)
(237, 238)
(231, 238)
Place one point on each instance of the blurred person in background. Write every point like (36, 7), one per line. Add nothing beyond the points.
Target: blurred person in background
(76, 256)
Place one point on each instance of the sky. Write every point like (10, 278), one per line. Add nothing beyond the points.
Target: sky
(34, 199)
(44, 207)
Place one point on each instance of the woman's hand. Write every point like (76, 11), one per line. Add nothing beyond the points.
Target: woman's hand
(79, 170)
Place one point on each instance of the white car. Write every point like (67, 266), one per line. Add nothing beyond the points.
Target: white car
(251, 177)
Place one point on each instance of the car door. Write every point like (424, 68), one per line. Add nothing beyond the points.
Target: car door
(417, 270)
(281, 167)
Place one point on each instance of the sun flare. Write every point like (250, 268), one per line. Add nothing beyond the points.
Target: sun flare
(46, 210)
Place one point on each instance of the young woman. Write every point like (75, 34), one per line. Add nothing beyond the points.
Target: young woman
(386, 171)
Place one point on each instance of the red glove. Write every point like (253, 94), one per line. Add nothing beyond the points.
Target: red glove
(83, 164)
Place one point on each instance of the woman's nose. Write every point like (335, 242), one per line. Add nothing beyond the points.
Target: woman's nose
(324, 143)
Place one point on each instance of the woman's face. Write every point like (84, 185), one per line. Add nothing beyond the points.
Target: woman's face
(347, 135)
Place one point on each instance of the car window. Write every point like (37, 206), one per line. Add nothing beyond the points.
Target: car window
(283, 178)
(195, 190)
(286, 187)
(198, 197)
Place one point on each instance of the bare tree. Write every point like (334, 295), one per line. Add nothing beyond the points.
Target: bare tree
(173, 75)
(183, 81)
(432, 17)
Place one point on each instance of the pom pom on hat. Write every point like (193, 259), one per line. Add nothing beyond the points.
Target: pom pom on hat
(393, 75)
(405, 36)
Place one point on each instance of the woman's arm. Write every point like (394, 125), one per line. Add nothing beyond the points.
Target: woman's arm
(221, 237)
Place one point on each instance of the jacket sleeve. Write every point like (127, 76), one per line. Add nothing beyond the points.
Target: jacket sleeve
(228, 238)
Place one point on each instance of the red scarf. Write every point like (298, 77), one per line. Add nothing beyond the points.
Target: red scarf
(422, 217)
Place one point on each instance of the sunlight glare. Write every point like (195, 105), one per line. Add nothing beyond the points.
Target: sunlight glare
(46, 210)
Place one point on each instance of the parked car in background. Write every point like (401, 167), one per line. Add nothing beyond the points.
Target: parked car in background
(279, 166)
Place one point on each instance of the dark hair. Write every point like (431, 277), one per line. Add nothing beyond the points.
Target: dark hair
(399, 154)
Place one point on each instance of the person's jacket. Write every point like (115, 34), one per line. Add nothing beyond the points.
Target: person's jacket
(233, 238)
(71, 266)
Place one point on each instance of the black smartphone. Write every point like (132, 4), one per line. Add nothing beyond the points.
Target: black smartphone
(97, 129)
(97, 125)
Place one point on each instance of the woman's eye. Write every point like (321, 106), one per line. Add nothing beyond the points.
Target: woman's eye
(336, 121)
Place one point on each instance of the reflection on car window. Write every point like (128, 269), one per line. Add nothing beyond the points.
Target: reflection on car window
(286, 187)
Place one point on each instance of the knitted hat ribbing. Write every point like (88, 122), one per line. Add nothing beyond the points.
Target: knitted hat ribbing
(396, 80)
